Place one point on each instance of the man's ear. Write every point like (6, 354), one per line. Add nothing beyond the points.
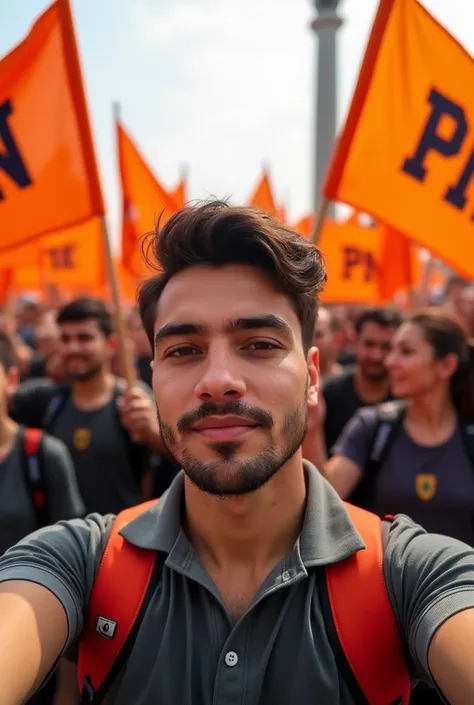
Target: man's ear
(313, 377)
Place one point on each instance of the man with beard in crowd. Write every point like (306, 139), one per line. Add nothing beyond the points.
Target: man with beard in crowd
(110, 432)
(366, 383)
(235, 611)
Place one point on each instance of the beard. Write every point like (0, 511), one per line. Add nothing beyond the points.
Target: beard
(89, 372)
(228, 475)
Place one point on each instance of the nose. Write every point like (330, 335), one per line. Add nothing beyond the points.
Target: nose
(220, 379)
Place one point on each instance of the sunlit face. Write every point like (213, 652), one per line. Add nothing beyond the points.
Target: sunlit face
(231, 380)
(85, 349)
(372, 347)
(412, 365)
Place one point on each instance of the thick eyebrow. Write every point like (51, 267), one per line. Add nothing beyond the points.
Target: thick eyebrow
(171, 330)
(258, 322)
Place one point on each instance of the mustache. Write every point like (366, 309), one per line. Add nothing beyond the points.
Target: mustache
(233, 407)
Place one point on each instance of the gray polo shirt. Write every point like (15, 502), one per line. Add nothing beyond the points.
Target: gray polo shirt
(188, 651)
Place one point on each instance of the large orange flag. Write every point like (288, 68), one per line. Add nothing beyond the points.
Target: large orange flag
(48, 172)
(72, 259)
(144, 203)
(364, 264)
(263, 197)
(406, 153)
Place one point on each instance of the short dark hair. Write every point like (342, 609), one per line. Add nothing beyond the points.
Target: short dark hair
(217, 234)
(84, 309)
(385, 316)
(7, 352)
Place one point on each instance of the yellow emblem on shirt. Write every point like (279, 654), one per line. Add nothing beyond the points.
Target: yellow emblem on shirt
(82, 438)
(426, 486)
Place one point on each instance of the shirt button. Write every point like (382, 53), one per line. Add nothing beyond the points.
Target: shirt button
(286, 576)
(231, 659)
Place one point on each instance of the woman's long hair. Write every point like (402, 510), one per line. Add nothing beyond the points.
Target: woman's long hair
(447, 336)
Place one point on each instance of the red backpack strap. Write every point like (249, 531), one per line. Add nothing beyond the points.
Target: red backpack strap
(364, 620)
(116, 599)
(34, 474)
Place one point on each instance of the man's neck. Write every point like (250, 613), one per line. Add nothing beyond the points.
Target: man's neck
(371, 391)
(256, 530)
(92, 393)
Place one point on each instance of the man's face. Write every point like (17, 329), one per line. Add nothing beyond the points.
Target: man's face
(85, 348)
(373, 345)
(230, 377)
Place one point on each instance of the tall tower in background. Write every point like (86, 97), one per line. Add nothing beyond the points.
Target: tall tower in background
(325, 25)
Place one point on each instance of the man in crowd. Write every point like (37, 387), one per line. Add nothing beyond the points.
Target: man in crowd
(236, 612)
(29, 501)
(367, 382)
(324, 339)
(110, 432)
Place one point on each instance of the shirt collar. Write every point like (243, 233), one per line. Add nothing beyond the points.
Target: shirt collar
(328, 534)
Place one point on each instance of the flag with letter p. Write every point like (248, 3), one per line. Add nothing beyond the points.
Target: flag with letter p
(48, 173)
(406, 153)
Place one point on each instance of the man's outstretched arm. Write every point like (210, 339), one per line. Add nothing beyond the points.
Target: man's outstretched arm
(33, 632)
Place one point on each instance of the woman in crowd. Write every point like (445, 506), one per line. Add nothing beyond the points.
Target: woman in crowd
(417, 455)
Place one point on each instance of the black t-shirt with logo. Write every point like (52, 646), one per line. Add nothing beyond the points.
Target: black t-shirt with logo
(107, 474)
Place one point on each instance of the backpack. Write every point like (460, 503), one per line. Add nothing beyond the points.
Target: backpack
(359, 618)
(137, 452)
(34, 474)
(389, 421)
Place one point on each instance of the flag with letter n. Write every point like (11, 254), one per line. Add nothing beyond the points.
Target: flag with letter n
(406, 153)
(48, 173)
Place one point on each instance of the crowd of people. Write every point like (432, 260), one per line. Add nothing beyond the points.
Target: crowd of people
(392, 432)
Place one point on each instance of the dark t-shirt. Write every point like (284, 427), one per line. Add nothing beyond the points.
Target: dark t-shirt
(433, 485)
(342, 402)
(17, 516)
(107, 469)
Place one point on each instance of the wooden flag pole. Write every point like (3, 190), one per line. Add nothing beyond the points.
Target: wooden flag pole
(320, 218)
(423, 293)
(126, 357)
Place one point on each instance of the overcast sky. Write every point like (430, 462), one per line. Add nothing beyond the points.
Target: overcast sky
(221, 86)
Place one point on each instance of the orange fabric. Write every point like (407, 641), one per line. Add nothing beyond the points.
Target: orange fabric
(262, 197)
(119, 588)
(395, 264)
(351, 254)
(144, 203)
(48, 174)
(365, 623)
(406, 154)
(73, 260)
(280, 214)
(364, 264)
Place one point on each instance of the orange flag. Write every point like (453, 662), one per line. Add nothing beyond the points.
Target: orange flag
(144, 203)
(263, 196)
(72, 260)
(364, 264)
(48, 173)
(395, 264)
(406, 153)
